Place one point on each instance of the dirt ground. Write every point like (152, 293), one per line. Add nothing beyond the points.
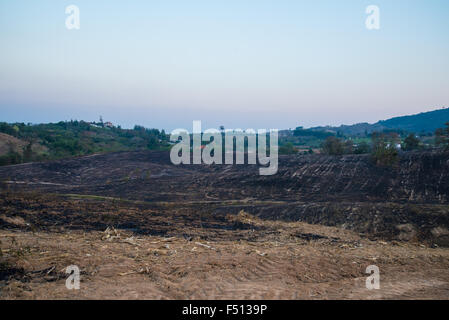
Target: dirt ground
(169, 254)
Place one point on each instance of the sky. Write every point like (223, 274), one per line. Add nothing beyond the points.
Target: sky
(238, 63)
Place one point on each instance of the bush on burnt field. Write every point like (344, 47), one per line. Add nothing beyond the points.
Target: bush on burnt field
(442, 137)
(385, 149)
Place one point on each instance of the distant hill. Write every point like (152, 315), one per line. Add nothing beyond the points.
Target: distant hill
(425, 122)
(422, 122)
(21, 142)
(9, 143)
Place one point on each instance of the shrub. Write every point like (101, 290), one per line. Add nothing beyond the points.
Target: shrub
(410, 143)
(384, 152)
(362, 148)
(287, 148)
(442, 137)
(333, 146)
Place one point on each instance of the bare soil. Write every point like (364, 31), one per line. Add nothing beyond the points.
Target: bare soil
(168, 254)
(139, 227)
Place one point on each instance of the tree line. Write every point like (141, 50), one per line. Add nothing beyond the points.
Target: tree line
(385, 146)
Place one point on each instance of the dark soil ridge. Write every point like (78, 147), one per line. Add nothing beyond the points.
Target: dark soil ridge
(408, 202)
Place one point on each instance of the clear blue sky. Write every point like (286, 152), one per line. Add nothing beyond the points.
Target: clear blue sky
(240, 63)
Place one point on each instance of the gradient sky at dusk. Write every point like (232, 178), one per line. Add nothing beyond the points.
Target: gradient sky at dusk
(237, 63)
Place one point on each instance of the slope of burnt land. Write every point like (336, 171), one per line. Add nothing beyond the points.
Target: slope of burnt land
(407, 202)
(421, 177)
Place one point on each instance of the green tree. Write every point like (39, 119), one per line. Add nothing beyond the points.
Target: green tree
(442, 137)
(333, 146)
(287, 148)
(28, 152)
(410, 143)
(12, 157)
(362, 148)
(384, 151)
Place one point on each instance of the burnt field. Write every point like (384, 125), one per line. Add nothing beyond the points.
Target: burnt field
(140, 227)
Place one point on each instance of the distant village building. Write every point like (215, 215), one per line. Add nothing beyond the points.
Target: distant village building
(101, 124)
(93, 124)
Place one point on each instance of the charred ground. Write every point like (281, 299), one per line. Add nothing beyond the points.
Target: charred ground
(407, 201)
(140, 227)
